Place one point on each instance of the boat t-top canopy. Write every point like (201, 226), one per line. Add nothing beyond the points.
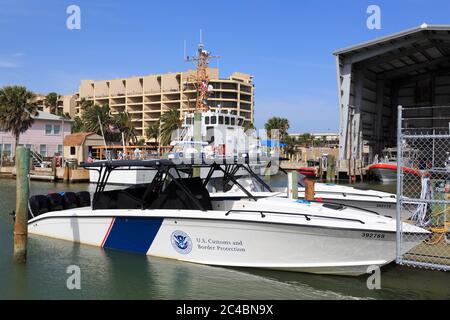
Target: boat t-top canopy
(167, 168)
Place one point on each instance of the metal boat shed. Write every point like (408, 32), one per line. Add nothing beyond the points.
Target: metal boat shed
(409, 68)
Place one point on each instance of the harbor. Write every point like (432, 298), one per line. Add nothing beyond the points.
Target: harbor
(224, 181)
(119, 275)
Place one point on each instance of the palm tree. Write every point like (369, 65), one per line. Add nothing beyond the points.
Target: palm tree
(170, 121)
(64, 115)
(77, 125)
(84, 104)
(51, 101)
(16, 110)
(91, 116)
(305, 139)
(276, 123)
(123, 122)
(249, 126)
(140, 142)
(152, 131)
(291, 145)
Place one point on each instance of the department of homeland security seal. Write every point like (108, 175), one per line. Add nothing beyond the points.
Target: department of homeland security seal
(181, 242)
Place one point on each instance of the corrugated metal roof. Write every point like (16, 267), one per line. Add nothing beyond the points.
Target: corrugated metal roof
(394, 36)
(49, 116)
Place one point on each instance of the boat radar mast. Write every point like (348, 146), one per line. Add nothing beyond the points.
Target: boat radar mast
(201, 80)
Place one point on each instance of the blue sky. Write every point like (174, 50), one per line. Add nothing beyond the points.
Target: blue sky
(286, 45)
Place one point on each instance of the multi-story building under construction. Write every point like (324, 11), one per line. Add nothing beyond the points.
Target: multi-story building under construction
(146, 98)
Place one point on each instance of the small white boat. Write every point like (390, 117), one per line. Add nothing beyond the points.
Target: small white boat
(380, 202)
(372, 200)
(176, 218)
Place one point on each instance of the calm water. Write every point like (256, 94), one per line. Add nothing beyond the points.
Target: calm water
(117, 275)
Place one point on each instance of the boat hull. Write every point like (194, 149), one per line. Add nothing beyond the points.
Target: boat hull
(228, 242)
(387, 173)
(383, 174)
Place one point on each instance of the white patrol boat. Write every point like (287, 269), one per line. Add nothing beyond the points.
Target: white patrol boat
(175, 217)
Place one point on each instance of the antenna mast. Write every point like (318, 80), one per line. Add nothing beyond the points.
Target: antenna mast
(201, 82)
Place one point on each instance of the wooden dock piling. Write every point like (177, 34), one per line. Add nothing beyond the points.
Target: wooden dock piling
(331, 168)
(66, 172)
(22, 195)
(309, 189)
(54, 168)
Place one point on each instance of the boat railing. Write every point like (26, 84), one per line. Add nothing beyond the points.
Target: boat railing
(348, 206)
(308, 217)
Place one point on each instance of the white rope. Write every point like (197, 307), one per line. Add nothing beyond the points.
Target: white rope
(420, 215)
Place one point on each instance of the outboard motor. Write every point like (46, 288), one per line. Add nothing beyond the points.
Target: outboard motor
(55, 201)
(69, 200)
(83, 199)
(37, 205)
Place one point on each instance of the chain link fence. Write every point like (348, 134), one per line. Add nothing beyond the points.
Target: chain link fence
(423, 185)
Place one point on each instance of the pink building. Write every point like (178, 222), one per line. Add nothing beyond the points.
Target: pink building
(45, 136)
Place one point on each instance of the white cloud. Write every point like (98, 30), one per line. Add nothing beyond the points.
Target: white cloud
(8, 65)
(10, 61)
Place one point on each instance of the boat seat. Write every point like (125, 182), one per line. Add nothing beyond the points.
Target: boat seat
(130, 198)
(173, 197)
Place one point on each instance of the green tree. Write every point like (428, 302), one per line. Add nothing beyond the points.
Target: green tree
(51, 102)
(84, 104)
(125, 125)
(140, 142)
(324, 141)
(249, 126)
(170, 121)
(77, 125)
(291, 145)
(16, 110)
(276, 123)
(305, 139)
(152, 131)
(91, 116)
(64, 115)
